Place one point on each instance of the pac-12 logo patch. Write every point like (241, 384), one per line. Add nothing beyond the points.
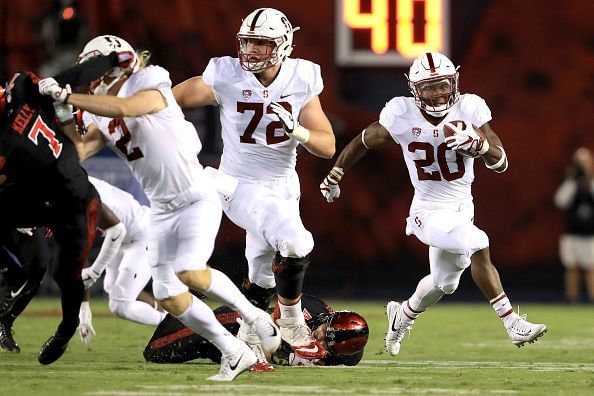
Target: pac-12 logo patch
(247, 93)
(416, 132)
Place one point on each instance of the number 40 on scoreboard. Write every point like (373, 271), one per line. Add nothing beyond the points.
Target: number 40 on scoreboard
(389, 32)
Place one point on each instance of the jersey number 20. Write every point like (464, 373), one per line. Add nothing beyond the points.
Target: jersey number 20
(444, 169)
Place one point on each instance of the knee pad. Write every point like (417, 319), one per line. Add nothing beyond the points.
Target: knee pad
(118, 307)
(259, 296)
(449, 288)
(299, 245)
(289, 273)
(475, 239)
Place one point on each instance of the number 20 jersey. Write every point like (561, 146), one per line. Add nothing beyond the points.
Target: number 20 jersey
(254, 142)
(437, 173)
(161, 148)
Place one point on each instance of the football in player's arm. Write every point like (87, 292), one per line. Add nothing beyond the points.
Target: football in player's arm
(436, 130)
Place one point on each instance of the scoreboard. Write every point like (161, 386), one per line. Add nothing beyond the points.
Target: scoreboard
(389, 32)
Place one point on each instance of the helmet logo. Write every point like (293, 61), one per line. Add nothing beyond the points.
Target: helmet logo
(114, 43)
(306, 314)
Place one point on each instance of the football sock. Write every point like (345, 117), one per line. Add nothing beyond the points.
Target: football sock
(503, 307)
(224, 290)
(425, 295)
(136, 311)
(201, 320)
(291, 311)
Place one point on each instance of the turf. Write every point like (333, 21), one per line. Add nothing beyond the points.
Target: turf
(454, 349)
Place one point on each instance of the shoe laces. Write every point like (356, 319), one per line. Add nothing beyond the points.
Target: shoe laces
(298, 333)
(403, 326)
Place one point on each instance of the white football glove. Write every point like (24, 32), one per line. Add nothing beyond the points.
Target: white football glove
(467, 140)
(290, 124)
(26, 231)
(85, 326)
(329, 186)
(50, 87)
(89, 276)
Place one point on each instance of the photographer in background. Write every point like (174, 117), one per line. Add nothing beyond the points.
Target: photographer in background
(576, 246)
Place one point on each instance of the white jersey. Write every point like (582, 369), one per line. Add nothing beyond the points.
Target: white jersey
(437, 173)
(254, 142)
(132, 214)
(161, 149)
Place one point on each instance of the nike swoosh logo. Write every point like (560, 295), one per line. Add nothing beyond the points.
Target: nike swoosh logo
(16, 293)
(393, 323)
(115, 238)
(234, 366)
(284, 96)
(273, 330)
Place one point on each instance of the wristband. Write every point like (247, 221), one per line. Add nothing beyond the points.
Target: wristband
(500, 162)
(300, 134)
(335, 175)
(363, 139)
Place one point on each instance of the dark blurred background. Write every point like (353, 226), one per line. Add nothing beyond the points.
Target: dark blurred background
(532, 60)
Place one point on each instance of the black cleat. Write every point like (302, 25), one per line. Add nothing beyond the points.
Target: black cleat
(7, 343)
(53, 349)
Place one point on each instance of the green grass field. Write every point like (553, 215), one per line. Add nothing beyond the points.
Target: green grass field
(453, 349)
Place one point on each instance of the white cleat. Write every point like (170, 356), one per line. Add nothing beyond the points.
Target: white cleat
(268, 333)
(521, 331)
(246, 334)
(296, 333)
(235, 364)
(397, 327)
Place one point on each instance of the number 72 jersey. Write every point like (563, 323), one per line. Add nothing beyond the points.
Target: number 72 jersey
(254, 142)
(436, 172)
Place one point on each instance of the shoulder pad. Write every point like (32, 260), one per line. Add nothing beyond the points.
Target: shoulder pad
(397, 105)
(470, 103)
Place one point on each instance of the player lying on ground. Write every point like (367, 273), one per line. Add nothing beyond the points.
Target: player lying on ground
(343, 333)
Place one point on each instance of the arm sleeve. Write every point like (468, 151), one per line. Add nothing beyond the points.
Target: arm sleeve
(88, 71)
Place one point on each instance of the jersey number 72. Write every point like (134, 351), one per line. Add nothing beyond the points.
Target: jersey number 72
(258, 109)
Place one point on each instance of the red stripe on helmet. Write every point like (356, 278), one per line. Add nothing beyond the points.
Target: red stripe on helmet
(253, 24)
(430, 60)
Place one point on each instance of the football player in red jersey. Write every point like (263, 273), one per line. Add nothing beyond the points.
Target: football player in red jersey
(342, 333)
(43, 184)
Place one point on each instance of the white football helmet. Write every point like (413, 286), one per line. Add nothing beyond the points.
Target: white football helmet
(265, 24)
(105, 45)
(433, 70)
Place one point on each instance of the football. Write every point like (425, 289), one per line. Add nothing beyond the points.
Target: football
(448, 131)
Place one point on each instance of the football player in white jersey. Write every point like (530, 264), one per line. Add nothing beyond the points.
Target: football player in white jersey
(126, 265)
(268, 105)
(441, 171)
(132, 110)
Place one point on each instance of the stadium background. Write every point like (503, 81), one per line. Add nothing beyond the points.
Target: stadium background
(531, 60)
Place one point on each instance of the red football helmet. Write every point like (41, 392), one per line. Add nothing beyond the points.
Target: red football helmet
(346, 333)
